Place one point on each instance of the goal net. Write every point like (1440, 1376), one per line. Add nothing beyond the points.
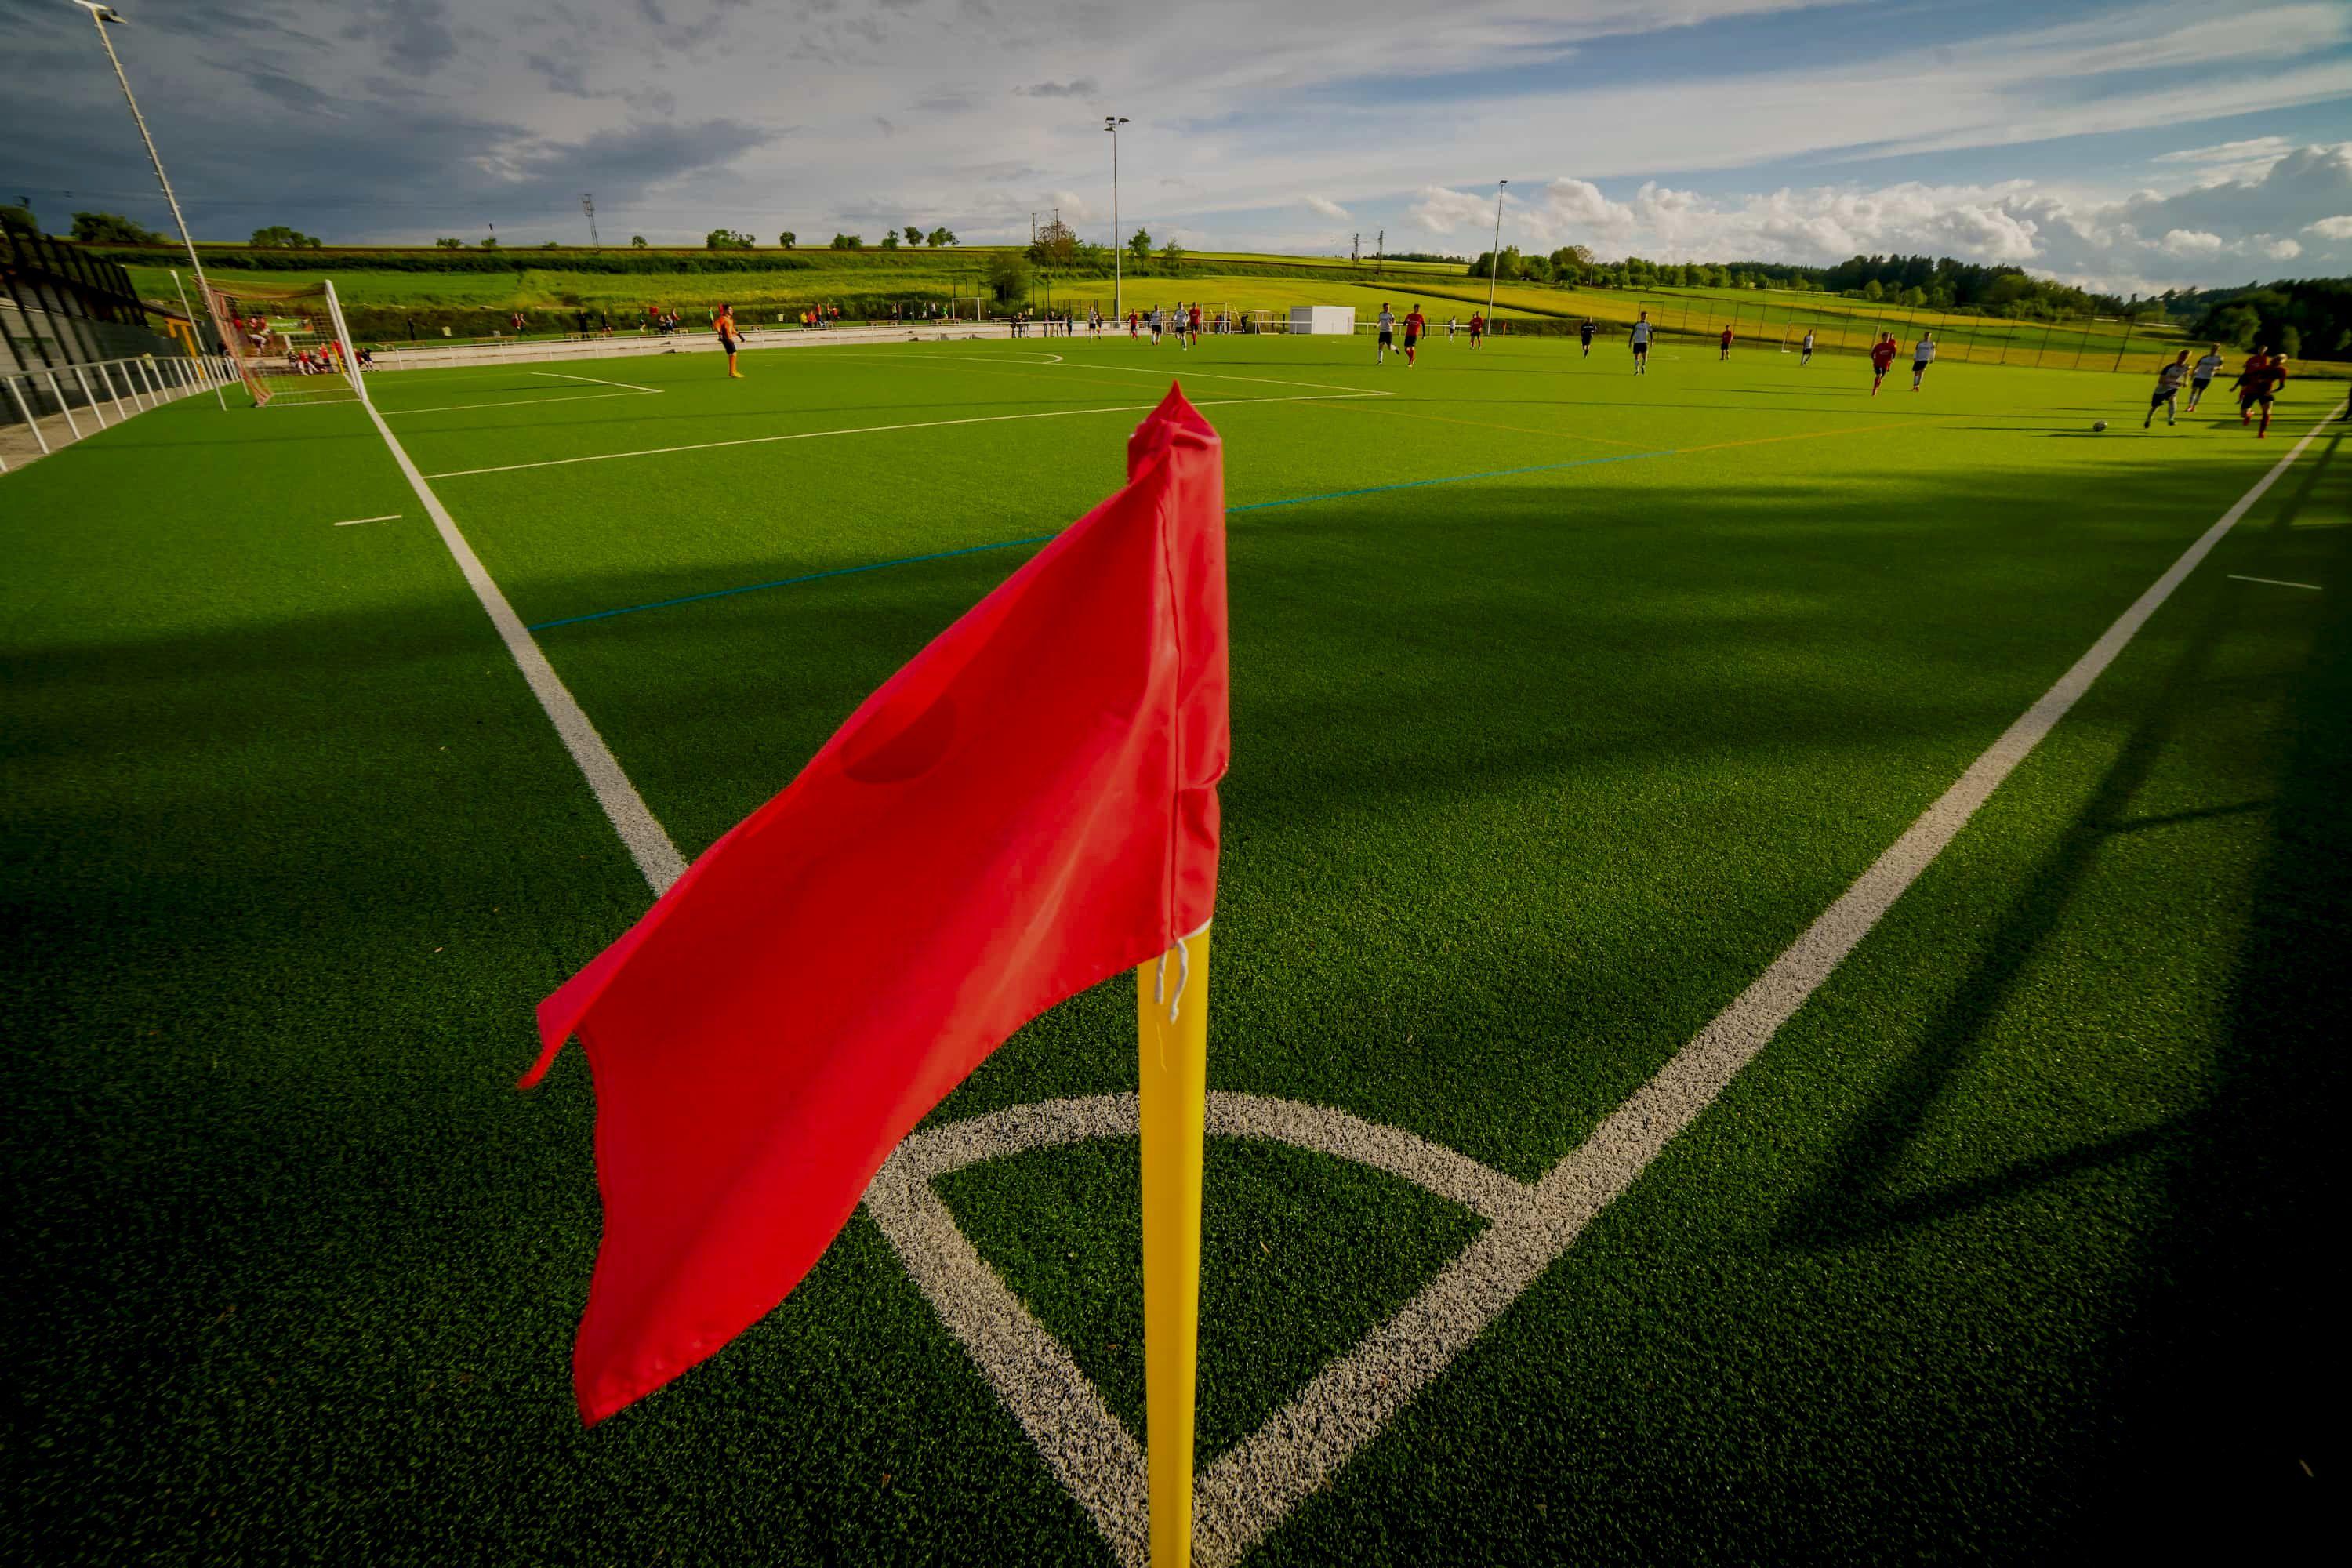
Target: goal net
(290, 346)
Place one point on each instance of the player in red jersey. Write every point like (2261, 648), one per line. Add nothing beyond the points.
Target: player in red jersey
(1477, 328)
(1415, 323)
(1193, 324)
(1881, 356)
(1727, 345)
(2260, 383)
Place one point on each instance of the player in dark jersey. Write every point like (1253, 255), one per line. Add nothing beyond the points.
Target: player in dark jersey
(1478, 329)
(1585, 336)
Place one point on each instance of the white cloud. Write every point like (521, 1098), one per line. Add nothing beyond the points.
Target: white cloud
(2331, 227)
(2265, 148)
(2191, 242)
(1327, 206)
(1442, 211)
(2282, 249)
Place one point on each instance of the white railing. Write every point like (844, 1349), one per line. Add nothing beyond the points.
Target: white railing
(41, 410)
(702, 339)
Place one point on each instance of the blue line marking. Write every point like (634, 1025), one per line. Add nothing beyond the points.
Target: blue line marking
(1041, 537)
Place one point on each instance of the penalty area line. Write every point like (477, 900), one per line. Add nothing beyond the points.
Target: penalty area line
(2273, 581)
(597, 380)
(355, 521)
(867, 430)
(647, 843)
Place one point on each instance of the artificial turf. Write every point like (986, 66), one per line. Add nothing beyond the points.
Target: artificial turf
(2001, 1248)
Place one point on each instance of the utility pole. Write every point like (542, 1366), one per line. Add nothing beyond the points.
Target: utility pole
(1380, 252)
(1494, 257)
(1356, 250)
(588, 205)
(1111, 123)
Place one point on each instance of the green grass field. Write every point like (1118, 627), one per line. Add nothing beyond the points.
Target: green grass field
(1563, 701)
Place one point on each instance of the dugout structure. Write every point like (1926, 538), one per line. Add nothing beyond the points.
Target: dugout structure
(290, 346)
(1338, 320)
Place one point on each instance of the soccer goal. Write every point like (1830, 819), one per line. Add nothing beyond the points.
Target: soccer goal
(291, 347)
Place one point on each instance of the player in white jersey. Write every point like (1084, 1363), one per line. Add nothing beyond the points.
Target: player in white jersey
(2201, 375)
(1642, 333)
(1388, 331)
(1923, 354)
(1806, 356)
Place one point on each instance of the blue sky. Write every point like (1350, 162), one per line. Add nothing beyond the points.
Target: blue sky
(2134, 146)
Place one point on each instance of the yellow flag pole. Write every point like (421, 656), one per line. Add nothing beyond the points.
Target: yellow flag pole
(1174, 1095)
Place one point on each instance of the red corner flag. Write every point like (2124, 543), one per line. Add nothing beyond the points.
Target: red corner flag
(1027, 808)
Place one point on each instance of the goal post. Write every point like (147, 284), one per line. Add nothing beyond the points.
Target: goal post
(290, 346)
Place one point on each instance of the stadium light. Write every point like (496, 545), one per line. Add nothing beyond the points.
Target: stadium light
(1494, 257)
(1111, 123)
(100, 16)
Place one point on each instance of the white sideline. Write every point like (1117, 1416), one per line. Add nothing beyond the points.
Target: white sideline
(355, 521)
(600, 380)
(649, 845)
(1254, 1486)
(2275, 582)
(877, 430)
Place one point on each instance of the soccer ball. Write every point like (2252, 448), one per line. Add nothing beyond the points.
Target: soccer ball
(2098, 425)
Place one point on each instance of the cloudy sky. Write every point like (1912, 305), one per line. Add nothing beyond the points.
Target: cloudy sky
(2131, 144)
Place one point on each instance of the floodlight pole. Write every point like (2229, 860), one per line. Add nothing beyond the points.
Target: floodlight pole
(100, 16)
(1111, 123)
(1494, 257)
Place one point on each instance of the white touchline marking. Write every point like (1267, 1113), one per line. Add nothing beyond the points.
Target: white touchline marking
(1172, 372)
(567, 375)
(871, 430)
(519, 401)
(2275, 582)
(647, 844)
(354, 522)
(1254, 1486)
(1088, 1449)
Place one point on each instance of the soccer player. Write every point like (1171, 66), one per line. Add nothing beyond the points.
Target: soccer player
(1725, 353)
(1881, 356)
(1449, 325)
(2262, 388)
(1192, 323)
(2166, 395)
(1478, 329)
(1641, 334)
(1585, 336)
(2201, 375)
(1388, 331)
(728, 338)
(1415, 323)
(1805, 355)
(1923, 354)
(2249, 376)
(1154, 320)
(1133, 322)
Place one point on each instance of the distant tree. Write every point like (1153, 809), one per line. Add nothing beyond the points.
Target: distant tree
(788, 240)
(1173, 255)
(889, 239)
(112, 228)
(726, 240)
(449, 242)
(1056, 245)
(491, 243)
(1008, 277)
(913, 234)
(2232, 324)
(847, 242)
(1914, 296)
(1535, 269)
(940, 237)
(14, 219)
(1139, 246)
(1570, 262)
(278, 237)
(636, 242)
(1873, 289)
(551, 244)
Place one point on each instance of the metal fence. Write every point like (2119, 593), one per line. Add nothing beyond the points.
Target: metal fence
(42, 410)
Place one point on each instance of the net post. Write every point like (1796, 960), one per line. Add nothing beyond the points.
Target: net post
(343, 336)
